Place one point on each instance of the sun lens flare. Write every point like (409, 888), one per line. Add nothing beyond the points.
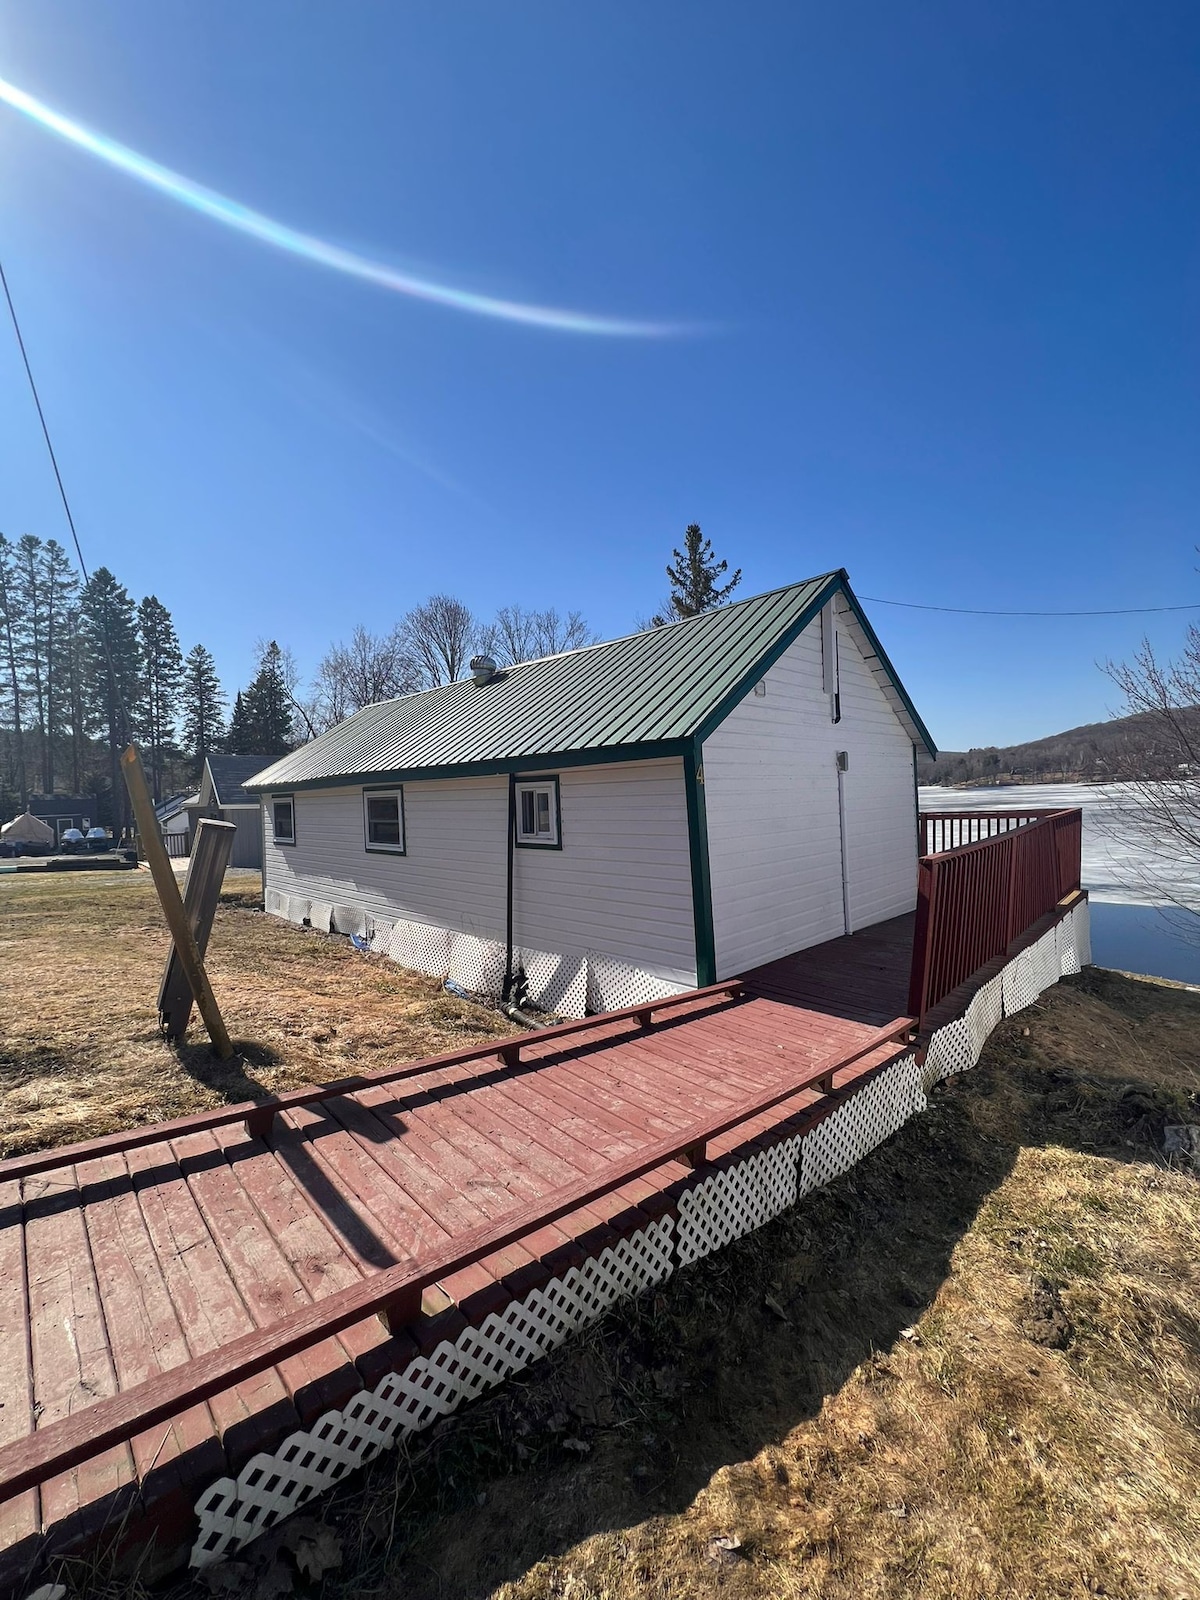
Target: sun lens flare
(307, 246)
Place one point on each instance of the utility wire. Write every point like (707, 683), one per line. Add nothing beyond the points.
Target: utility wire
(113, 677)
(968, 611)
(12, 311)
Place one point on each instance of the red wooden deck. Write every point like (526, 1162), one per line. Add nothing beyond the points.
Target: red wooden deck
(120, 1264)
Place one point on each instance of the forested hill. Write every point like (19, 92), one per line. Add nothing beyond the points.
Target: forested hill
(1123, 747)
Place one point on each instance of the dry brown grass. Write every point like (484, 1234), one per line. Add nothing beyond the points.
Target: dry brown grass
(978, 1376)
(81, 958)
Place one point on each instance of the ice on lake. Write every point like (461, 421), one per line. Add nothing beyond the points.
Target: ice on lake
(1131, 877)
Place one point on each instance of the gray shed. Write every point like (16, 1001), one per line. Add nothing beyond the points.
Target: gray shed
(222, 796)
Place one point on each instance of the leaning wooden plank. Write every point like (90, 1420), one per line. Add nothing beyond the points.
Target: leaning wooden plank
(168, 894)
(201, 892)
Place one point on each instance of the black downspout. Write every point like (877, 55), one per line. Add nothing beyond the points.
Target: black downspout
(506, 992)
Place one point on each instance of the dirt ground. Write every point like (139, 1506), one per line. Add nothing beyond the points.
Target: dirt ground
(81, 959)
(969, 1369)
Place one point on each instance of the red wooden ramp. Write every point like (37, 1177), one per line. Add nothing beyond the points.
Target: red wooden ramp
(175, 1299)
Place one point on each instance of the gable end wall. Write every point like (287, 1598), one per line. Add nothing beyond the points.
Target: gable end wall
(771, 795)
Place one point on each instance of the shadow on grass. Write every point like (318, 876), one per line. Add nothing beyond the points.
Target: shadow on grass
(233, 1080)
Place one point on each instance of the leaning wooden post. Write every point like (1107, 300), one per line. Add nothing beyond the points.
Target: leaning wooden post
(201, 892)
(168, 893)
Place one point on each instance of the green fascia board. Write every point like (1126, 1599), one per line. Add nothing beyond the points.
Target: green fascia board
(702, 910)
(602, 756)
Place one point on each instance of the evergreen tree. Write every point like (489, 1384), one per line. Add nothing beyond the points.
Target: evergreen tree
(262, 717)
(162, 676)
(75, 656)
(10, 633)
(31, 644)
(112, 674)
(203, 705)
(61, 587)
(694, 575)
(239, 741)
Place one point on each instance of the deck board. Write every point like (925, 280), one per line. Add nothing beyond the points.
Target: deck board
(176, 1248)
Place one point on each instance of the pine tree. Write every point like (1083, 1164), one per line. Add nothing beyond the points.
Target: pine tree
(10, 633)
(31, 641)
(112, 674)
(203, 706)
(261, 724)
(162, 676)
(61, 586)
(693, 575)
(239, 741)
(75, 654)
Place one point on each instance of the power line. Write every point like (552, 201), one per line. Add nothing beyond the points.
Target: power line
(12, 311)
(970, 611)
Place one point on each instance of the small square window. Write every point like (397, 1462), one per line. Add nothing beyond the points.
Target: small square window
(383, 820)
(537, 814)
(283, 818)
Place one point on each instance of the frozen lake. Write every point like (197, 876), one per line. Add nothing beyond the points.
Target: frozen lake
(1134, 926)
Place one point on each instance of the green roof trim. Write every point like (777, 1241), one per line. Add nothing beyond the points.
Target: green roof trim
(645, 696)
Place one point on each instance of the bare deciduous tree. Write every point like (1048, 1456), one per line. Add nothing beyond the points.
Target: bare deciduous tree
(439, 637)
(1160, 772)
(521, 635)
(370, 668)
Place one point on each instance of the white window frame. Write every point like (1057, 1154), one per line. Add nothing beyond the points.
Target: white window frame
(538, 841)
(394, 791)
(276, 837)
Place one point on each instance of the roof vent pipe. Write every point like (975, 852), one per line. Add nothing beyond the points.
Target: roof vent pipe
(483, 669)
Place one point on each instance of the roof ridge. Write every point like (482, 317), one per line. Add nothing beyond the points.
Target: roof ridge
(620, 638)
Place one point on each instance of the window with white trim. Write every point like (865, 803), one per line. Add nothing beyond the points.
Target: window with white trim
(537, 813)
(283, 818)
(383, 820)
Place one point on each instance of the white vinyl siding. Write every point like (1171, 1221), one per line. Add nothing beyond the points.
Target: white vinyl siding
(620, 885)
(771, 797)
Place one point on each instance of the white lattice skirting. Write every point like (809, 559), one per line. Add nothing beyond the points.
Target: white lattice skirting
(570, 985)
(722, 1206)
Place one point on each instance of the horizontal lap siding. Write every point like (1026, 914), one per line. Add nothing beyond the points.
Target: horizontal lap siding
(770, 788)
(771, 792)
(620, 886)
(453, 874)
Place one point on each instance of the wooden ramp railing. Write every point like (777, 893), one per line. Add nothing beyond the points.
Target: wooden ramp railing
(975, 898)
(394, 1293)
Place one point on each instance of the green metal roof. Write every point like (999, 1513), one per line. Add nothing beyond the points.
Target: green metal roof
(642, 695)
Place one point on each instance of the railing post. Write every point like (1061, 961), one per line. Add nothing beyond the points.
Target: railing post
(923, 929)
(1010, 907)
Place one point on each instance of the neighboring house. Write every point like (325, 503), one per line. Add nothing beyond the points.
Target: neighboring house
(621, 821)
(222, 795)
(63, 811)
(172, 814)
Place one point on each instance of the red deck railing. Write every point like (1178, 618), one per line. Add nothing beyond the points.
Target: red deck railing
(393, 1293)
(947, 830)
(975, 898)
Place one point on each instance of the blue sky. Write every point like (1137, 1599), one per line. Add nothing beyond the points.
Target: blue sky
(942, 263)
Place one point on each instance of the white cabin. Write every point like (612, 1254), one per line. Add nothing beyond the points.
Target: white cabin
(619, 822)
